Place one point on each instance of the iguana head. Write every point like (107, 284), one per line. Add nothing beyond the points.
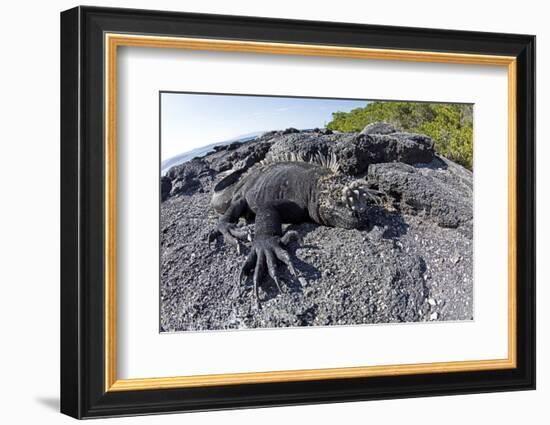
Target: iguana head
(344, 203)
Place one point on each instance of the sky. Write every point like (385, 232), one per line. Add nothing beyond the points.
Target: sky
(189, 121)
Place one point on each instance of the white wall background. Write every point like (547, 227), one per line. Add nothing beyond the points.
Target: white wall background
(29, 219)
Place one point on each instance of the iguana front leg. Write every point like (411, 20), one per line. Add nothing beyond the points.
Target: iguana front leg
(227, 226)
(267, 248)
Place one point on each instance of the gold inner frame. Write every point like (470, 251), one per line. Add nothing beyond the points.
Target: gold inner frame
(113, 41)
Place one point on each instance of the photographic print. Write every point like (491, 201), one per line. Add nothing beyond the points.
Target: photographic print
(281, 212)
(321, 191)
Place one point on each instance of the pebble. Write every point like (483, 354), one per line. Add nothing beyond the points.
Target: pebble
(433, 316)
(431, 301)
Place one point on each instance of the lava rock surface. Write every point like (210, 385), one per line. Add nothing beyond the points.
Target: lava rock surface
(414, 262)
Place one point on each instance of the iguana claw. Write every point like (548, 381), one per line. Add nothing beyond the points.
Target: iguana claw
(263, 255)
(231, 234)
(358, 198)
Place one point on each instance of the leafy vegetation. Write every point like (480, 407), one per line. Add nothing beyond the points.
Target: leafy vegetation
(449, 125)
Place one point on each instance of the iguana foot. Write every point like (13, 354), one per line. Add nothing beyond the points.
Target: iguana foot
(359, 197)
(231, 234)
(265, 252)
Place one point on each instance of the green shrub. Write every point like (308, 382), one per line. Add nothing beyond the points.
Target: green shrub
(449, 125)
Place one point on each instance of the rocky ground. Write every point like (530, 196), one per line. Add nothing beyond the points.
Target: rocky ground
(413, 263)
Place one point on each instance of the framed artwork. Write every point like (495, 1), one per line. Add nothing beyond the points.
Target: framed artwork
(261, 212)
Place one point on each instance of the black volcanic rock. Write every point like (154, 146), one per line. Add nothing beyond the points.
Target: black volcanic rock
(413, 263)
(188, 177)
(441, 191)
(165, 187)
(379, 128)
(355, 152)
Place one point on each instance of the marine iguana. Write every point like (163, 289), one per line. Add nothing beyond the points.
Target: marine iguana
(291, 191)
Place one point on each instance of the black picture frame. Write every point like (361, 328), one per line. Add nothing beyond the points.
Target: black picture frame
(83, 392)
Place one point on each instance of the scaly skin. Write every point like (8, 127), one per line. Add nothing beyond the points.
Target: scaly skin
(284, 192)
